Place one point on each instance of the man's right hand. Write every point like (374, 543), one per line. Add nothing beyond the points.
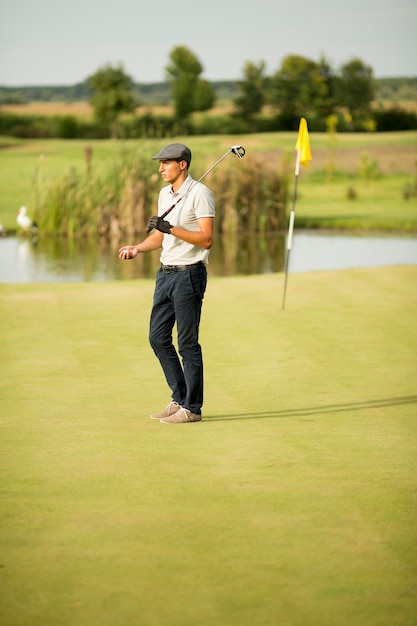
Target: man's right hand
(128, 252)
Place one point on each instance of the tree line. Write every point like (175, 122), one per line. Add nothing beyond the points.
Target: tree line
(301, 87)
(390, 90)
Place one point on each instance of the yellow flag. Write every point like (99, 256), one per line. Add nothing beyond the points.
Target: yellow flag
(303, 143)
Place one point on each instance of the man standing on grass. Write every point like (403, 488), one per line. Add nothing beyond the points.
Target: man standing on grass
(181, 281)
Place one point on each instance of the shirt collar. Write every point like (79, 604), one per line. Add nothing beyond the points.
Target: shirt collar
(183, 187)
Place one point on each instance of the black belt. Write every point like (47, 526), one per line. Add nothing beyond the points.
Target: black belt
(180, 268)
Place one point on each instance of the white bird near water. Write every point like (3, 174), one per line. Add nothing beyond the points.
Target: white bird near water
(25, 222)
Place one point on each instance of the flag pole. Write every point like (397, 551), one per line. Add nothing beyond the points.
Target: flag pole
(291, 226)
(303, 156)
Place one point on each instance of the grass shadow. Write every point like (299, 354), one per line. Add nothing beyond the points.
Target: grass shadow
(325, 409)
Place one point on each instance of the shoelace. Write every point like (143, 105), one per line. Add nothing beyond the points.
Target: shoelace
(185, 411)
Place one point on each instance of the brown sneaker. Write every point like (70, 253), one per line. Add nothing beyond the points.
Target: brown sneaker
(172, 408)
(181, 417)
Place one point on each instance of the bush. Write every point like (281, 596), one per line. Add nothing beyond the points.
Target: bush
(395, 119)
(26, 126)
(106, 203)
(351, 193)
(410, 191)
(218, 125)
(120, 199)
(67, 127)
(148, 126)
(151, 126)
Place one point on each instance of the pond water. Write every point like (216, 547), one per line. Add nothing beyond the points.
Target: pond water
(57, 260)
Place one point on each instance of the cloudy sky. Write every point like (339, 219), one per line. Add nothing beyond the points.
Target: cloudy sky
(51, 42)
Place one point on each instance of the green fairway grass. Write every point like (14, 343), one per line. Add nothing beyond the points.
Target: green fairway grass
(292, 503)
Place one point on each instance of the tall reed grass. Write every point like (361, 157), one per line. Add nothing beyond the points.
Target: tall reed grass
(119, 199)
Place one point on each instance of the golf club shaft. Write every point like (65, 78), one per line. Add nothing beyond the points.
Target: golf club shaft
(238, 150)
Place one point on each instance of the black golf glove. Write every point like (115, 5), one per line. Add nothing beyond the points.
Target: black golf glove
(162, 225)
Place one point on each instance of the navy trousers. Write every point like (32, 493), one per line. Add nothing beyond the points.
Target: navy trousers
(178, 298)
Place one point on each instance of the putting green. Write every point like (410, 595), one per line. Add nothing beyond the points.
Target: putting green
(293, 502)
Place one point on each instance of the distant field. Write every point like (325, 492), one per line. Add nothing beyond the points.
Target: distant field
(403, 104)
(79, 109)
(84, 110)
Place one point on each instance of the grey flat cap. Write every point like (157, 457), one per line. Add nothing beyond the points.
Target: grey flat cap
(174, 152)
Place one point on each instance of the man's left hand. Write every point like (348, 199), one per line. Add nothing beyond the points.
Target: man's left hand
(159, 224)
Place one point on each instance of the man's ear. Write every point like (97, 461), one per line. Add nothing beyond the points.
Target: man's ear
(183, 165)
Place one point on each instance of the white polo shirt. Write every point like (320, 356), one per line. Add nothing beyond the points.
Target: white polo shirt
(197, 203)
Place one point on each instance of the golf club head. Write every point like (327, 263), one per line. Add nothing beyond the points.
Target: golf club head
(239, 151)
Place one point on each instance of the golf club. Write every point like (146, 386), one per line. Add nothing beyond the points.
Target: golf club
(239, 151)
